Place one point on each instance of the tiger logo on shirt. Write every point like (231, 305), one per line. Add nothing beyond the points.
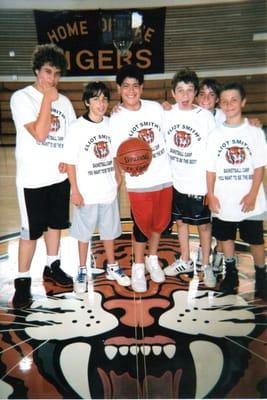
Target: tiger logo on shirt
(101, 149)
(182, 139)
(235, 155)
(147, 135)
(55, 123)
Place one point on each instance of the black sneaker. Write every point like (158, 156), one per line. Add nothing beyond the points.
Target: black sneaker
(199, 259)
(22, 297)
(56, 275)
(260, 283)
(230, 282)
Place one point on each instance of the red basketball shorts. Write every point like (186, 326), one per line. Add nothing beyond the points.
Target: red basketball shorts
(151, 211)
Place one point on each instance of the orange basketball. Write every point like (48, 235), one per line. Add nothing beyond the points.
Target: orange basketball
(134, 155)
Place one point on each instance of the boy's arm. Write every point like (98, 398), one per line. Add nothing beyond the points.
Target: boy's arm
(76, 197)
(40, 128)
(118, 173)
(213, 201)
(249, 200)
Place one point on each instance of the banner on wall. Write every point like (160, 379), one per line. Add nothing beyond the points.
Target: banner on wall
(80, 34)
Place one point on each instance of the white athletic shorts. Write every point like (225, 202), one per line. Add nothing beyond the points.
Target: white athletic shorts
(104, 218)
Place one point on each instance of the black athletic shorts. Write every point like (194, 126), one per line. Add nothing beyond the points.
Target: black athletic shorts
(191, 209)
(43, 208)
(250, 231)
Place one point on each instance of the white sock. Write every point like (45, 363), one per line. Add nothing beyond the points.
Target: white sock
(138, 265)
(112, 265)
(24, 274)
(260, 266)
(51, 259)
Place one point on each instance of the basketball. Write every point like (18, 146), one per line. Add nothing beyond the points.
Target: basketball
(134, 155)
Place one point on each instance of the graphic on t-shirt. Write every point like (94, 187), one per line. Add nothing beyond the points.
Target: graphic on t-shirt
(235, 155)
(101, 149)
(182, 139)
(55, 123)
(147, 135)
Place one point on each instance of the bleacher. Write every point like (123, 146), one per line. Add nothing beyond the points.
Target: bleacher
(158, 90)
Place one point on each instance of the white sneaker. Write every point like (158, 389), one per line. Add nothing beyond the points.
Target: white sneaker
(209, 277)
(80, 283)
(153, 267)
(179, 267)
(138, 278)
(92, 261)
(115, 273)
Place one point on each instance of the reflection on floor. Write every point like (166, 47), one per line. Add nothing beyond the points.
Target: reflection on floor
(177, 340)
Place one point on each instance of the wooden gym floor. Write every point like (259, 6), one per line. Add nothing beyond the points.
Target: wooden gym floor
(177, 340)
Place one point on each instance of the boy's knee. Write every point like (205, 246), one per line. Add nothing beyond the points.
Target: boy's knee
(205, 228)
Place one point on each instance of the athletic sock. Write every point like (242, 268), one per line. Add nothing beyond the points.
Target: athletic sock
(51, 259)
(24, 274)
(260, 266)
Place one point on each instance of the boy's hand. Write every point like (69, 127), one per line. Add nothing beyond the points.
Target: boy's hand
(136, 173)
(49, 91)
(62, 167)
(166, 106)
(116, 108)
(255, 122)
(213, 203)
(248, 202)
(77, 199)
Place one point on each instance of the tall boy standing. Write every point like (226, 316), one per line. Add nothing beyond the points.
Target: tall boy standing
(150, 193)
(41, 116)
(236, 156)
(187, 128)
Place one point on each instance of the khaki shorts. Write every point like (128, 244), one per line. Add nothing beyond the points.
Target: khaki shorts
(102, 217)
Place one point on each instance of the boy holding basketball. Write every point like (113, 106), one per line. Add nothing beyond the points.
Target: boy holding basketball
(150, 193)
(91, 173)
(187, 127)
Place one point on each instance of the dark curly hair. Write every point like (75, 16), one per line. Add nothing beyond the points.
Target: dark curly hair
(212, 84)
(130, 71)
(48, 54)
(185, 75)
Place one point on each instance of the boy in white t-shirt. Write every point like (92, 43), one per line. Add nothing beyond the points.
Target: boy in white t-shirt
(94, 188)
(150, 193)
(208, 98)
(187, 127)
(236, 157)
(41, 115)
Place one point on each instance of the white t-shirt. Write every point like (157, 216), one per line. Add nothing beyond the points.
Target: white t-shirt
(233, 153)
(219, 116)
(186, 135)
(146, 123)
(88, 147)
(37, 162)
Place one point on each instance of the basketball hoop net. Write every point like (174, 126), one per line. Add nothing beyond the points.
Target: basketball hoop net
(122, 46)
